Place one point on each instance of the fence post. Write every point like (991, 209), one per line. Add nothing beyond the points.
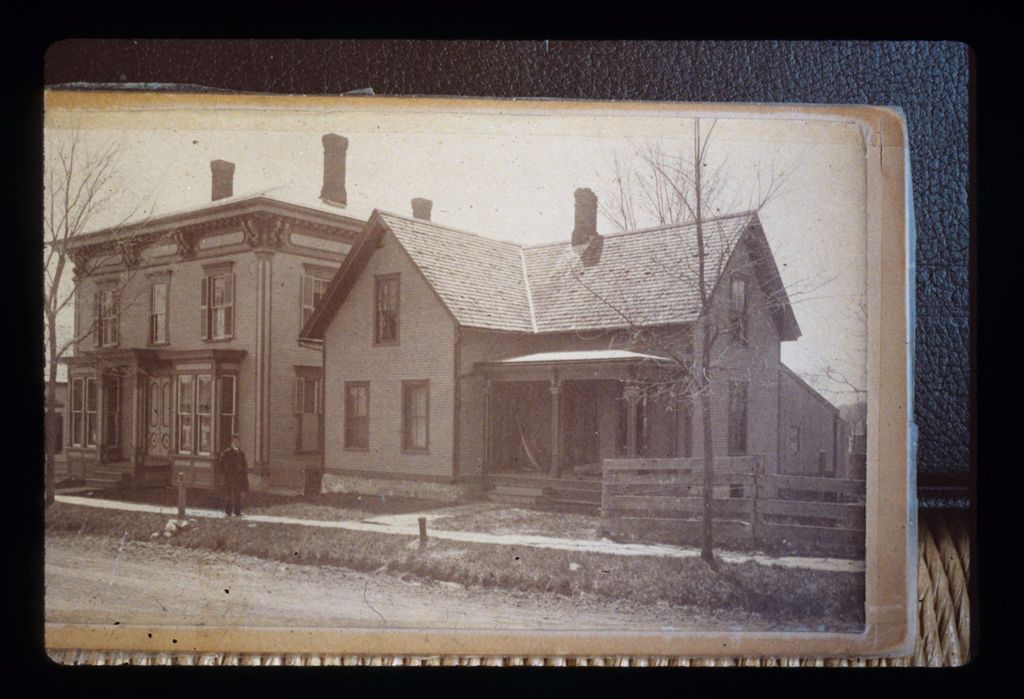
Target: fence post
(423, 531)
(181, 494)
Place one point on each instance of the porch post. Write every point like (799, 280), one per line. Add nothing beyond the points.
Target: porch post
(485, 467)
(632, 395)
(556, 441)
(138, 414)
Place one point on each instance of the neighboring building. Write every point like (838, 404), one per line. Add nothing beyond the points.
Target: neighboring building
(191, 329)
(450, 357)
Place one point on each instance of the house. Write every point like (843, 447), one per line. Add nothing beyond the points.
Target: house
(187, 330)
(453, 358)
(54, 430)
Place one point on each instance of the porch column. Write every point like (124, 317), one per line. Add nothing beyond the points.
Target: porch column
(138, 395)
(556, 441)
(632, 396)
(485, 467)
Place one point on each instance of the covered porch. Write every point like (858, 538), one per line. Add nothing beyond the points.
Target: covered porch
(556, 415)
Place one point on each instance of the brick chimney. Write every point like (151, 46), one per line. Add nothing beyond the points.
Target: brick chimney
(421, 208)
(333, 191)
(585, 231)
(222, 179)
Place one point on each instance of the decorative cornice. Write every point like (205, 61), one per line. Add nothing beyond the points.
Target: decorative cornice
(130, 250)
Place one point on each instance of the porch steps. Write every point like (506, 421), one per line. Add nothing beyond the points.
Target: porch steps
(99, 477)
(581, 496)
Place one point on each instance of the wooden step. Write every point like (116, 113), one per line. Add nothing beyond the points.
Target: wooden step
(522, 490)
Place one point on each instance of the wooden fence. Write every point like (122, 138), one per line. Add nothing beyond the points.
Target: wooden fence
(661, 500)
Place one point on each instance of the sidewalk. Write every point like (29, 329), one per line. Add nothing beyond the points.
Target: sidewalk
(407, 525)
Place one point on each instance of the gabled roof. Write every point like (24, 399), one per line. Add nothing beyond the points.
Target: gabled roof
(646, 277)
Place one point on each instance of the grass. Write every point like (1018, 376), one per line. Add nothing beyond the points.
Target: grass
(793, 598)
(502, 519)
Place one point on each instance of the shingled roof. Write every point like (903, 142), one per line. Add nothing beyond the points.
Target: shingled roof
(644, 277)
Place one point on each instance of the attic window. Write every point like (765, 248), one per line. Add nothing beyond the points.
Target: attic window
(738, 310)
(385, 315)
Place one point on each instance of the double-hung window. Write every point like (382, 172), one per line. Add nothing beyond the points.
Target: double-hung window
(308, 411)
(738, 310)
(106, 313)
(385, 315)
(313, 289)
(158, 313)
(357, 415)
(737, 418)
(415, 415)
(217, 301)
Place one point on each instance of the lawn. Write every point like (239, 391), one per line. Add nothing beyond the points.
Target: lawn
(795, 599)
(502, 519)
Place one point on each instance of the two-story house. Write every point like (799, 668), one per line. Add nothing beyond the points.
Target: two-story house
(188, 327)
(454, 358)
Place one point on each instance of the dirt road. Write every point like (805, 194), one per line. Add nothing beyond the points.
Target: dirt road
(103, 581)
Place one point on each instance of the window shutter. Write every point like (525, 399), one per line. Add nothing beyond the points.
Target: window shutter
(204, 308)
(229, 299)
(97, 319)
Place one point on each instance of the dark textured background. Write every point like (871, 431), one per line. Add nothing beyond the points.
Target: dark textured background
(928, 80)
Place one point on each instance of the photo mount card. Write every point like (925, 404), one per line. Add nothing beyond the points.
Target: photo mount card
(372, 376)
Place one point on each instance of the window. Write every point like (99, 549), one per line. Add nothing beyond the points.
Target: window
(737, 418)
(228, 409)
(685, 445)
(308, 412)
(823, 465)
(738, 310)
(357, 415)
(91, 410)
(204, 413)
(217, 300)
(186, 405)
(415, 415)
(106, 318)
(794, 439)
(313, 289)
(77, 413)
(112, 412)
(385, 318)
(158, 313)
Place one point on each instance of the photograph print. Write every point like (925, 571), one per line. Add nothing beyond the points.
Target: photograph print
(387, 365)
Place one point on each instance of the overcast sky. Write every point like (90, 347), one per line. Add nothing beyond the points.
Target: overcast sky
(510, 173)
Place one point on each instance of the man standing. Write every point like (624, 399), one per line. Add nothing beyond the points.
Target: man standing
(234, 471)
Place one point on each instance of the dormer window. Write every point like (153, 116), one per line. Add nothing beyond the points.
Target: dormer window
(385, 316)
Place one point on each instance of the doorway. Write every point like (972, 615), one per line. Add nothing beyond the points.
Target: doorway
(159, 413)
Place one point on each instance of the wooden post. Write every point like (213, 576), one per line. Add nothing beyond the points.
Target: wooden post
(423, 531)
(632, 394)
(181, 494)
(556, 446)
(485, 467)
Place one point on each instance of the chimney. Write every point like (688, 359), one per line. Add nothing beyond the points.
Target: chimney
(222, 179)
(585, 231)
(333, 191)
(421, 208)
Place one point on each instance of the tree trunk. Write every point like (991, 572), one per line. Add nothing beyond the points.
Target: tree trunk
(706, 550)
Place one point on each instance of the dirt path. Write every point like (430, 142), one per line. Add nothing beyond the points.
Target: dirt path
(103, 581)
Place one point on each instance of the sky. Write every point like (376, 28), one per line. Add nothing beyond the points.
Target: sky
(509, 171)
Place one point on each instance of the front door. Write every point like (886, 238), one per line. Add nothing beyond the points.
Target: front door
(159, 423)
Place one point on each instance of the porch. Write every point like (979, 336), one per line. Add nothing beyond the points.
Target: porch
(551, 418)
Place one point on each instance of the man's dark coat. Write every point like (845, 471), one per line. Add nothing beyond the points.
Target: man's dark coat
(234, 470)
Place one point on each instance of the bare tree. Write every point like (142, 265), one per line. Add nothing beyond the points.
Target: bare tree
(665, 188)
(81, 183)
